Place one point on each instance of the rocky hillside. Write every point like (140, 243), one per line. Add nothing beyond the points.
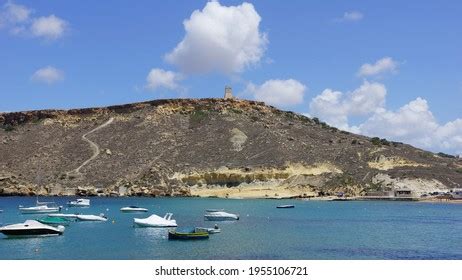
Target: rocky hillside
(210, 147)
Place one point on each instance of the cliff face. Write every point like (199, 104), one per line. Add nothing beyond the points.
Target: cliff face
(205, 147)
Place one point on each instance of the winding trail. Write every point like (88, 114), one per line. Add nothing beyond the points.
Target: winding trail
(94, 146)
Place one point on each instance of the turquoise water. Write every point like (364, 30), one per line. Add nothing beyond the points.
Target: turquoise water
(312, 230)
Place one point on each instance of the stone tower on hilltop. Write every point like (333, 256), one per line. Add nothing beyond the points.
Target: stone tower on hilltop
(228, 92)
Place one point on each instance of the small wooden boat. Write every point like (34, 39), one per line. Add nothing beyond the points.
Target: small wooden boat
(192, 234)
(286, 206)
(54, 221)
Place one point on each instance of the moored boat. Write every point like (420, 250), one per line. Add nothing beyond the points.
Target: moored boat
(156, 221)
(214, 210)
(92, 218)
(286, 206)
(54, 221)
(132, 209)
(31, 228)
(40, 208)
(221, 216)
(65, 216)
(191, 234)
(79, 202)
(209, 230)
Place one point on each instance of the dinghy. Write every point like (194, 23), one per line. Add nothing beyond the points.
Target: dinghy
(92, 218)
(133, 209)
(156, 221)
(220, 216)
(31, 228)
(209, 230)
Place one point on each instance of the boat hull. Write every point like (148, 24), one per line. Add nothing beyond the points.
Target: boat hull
(172, 235)
(31, 232)
(218, 218)
(38, 211)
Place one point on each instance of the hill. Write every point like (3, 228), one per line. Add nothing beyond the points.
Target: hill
(207, 147)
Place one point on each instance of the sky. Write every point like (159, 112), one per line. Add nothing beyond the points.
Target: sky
(390, 69)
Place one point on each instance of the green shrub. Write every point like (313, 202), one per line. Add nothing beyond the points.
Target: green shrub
(445, 155)
(375, 141)
(8, 127)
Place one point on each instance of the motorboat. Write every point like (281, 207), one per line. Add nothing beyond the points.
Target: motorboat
(54, 221)
(31, 228)
(132, 209)
(286, 206)
(156, 221)
(187, 234)
(214, 210)
(209, 230)
(91, 218)
(40, 208)
(221, 216)
(79, 202)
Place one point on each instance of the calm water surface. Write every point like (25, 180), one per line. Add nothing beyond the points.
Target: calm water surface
(312, 230)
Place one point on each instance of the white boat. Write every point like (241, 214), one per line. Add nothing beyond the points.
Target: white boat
(209, 230)
(101, 217)
(40, 208)
(31, 228)
(156, 221)
(221, 216)
(133, 209)
(79, 202)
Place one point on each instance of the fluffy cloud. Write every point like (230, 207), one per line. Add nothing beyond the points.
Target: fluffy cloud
(413, 123)
(48, 75)
(51, 27)
(18, 21)
(13, 13)
(334, 107)
(158, 78)
(381, 66)
(352, 16)
(278, 92)
(220, 38)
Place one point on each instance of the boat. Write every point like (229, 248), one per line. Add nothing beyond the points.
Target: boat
(92, 218)
(31, 228)
(79, 202)
(209, 230)
(131, 209)
(187, 234)
(65, 216)
(214, 210)
(156, 221)
(40, 208)
(286, 206)
(220, 216)
(54, 221)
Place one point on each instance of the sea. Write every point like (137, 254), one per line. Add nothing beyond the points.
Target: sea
(330, 230)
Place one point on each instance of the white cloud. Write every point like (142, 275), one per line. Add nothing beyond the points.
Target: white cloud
(381, 66)
(278, 92)
(49, 75)
(18, 21)
(158, 78)
(220, 38)
(334, 107)
(13, 13)
(50, 27)
(352, 16)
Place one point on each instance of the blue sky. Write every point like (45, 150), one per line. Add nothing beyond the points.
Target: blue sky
(304, 56)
